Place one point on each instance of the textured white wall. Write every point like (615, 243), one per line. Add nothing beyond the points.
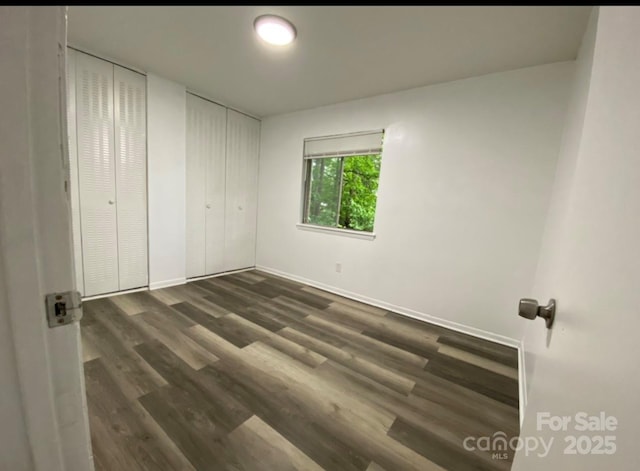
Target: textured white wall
(166, 134)
(467, 168)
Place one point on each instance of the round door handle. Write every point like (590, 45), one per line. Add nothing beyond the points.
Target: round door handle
(208, 206)
(240, 208)
(112, 202)
(530, 309)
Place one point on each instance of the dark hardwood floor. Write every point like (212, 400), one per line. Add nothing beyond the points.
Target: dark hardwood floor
(253, 372)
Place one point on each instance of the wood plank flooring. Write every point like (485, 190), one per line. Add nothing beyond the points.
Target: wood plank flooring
(253, 372)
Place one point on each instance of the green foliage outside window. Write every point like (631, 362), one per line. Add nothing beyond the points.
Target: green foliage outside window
(341, 191)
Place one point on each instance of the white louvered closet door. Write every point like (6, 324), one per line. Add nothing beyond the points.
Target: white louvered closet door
(131, 176)
(196, 187)
(73, 169)
(206, 135)
(243, 142)
(96, 169)
(215, 189)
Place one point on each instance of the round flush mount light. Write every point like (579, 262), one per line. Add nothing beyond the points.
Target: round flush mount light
(274, 30)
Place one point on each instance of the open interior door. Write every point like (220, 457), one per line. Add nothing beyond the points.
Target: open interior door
(583, 408)
(36, 254)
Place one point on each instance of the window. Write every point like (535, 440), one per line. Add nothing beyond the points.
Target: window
(341, 180)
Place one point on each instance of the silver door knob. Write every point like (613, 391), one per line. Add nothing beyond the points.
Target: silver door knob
(112, 202)
(530, 309)
(240, 208)
(208, 206)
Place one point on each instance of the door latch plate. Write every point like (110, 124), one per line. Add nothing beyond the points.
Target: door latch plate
(63, 308)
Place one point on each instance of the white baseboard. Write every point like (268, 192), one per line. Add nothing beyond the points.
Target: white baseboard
(215, 275)
(182, 281)
(522, 382)
(167, 283)
(114, 293)
(473, 331)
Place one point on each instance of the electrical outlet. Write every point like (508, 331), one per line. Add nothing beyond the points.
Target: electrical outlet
(338, 267)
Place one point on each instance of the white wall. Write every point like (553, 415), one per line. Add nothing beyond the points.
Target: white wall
(593, 265)
(466, 173)
(166, 134)
(545, 280)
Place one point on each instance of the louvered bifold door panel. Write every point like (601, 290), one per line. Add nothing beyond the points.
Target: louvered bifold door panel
(131, 176)
(73, 169)
(196, 185)
(96, 168)
(243, 141)
(215, 188)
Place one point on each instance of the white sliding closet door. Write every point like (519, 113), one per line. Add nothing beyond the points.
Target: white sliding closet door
(206, 136)
(243, 142)
(131, 176)
(96, 169)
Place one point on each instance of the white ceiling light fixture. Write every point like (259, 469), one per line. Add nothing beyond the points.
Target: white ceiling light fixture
(275, 30)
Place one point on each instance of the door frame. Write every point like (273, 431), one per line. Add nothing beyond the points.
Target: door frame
(36, 251)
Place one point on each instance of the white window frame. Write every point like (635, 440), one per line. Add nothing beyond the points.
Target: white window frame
(340, 152)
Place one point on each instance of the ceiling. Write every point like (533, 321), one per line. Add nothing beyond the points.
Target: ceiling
(340, 54)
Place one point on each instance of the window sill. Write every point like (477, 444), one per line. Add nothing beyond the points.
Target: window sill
(336, 231)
